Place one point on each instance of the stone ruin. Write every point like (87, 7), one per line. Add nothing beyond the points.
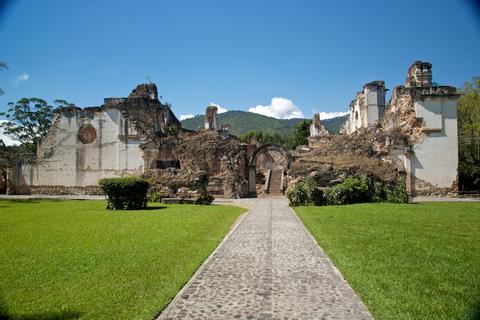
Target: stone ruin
(211, 118)
(415, 135)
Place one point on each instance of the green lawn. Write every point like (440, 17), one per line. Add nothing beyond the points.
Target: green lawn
(411, 261)
(74, 259)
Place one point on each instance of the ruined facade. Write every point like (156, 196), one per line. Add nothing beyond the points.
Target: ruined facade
(137, 135)
(367, 107)
(416, 134)
(85, 145)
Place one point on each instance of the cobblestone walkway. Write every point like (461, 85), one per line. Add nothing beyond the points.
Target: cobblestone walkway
(269, 267)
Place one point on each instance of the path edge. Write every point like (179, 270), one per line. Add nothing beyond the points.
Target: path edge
(334, 268)
(237, 223)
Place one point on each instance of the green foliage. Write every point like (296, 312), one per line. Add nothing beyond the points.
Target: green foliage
(300, 135)
(28, 120)
(171, 131)
(352, 190)
(397, 193)
(125, 193)
(205, 198)
(262, 137)
(242, 122)
(469, 136)
(366, 188)
(305, 193)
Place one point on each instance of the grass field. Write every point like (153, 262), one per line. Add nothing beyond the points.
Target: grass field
(74, 259)
(411, 261)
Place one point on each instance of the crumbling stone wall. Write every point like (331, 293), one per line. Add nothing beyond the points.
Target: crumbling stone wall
(222, 160)
(211, 118)
(417, 136)
(85, 145)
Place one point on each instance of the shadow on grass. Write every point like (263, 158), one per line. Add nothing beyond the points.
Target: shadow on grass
(65, 315)
(476, 311)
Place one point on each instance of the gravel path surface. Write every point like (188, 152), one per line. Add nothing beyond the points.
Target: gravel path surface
(268, 267)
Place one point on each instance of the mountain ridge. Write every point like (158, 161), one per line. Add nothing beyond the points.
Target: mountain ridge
(242, 122)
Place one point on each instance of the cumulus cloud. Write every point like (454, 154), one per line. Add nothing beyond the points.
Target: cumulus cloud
(330, 115)
(8, 141)
(186, 116)
(280, 108)
(219, 109)
(23, 77)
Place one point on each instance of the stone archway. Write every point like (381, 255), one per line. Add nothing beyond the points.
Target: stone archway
(252, 164)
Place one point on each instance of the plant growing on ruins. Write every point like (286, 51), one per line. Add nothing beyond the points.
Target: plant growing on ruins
(469, 135)
(125, 193)
(204, 198)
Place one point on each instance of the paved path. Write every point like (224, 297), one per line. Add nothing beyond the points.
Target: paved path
(269, 267)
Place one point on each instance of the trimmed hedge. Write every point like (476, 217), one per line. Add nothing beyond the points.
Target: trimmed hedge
(125, 193)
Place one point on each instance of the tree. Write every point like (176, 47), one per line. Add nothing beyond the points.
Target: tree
(3, 66)
(300, 135)
(468, 107)
(28, 120)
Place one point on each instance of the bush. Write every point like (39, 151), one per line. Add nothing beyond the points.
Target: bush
(204, 198)
(398, 193)
(125, 193)
(366, 188)
(305, 193)
(352, 190)
(159, 194)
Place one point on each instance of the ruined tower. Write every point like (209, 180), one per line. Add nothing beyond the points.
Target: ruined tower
(419, 75)
(317, 129)
(367, 108)
(211, 118)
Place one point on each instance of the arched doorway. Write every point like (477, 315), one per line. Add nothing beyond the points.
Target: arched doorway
(267, 167)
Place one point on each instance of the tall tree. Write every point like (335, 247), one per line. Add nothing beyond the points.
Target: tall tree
(28, 120)
(469, 135)
(300, 135)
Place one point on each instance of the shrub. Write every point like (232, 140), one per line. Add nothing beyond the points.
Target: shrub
(398, 193)
(352, 190)
(125, 193)
(159, 194)
(204, 198)
(305, 193)
(366, 188)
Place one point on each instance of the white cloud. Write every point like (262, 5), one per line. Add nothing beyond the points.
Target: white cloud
(23, 77)
(8, 141)
(219, 109)
(186, 116)
(330, 115)
(279, 108)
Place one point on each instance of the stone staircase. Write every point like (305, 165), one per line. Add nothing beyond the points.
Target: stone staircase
(275, 184)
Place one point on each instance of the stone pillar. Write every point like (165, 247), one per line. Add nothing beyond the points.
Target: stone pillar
(252, 179)
(211, 118)
(317, 129)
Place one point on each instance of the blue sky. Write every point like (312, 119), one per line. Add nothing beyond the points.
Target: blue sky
(313, 54)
